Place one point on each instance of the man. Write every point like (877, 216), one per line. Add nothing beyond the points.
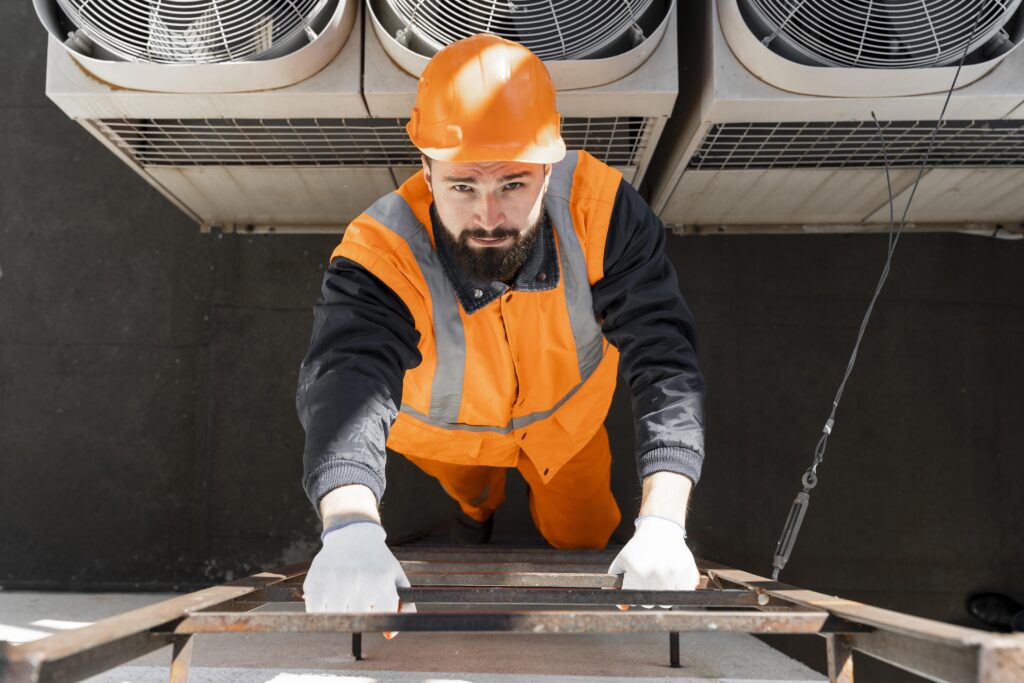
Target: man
(475, 319)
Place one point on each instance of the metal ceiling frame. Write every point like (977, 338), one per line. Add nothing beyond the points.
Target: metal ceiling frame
(728, 600)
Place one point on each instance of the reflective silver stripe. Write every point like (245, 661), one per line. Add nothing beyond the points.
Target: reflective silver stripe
(585, 330)
(458, 426)
(394, 213)
(514, 423)
(526, 420)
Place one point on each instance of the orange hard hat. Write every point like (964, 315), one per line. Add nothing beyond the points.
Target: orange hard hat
(484, 98)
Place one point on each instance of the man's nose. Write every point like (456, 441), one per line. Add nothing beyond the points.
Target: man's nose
(489, 213)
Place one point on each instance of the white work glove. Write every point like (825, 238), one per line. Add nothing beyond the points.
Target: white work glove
(656, 558)
(355, 571)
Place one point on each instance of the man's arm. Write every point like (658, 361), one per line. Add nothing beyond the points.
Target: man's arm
(350, 386)
(643, 314)
(353, 502)
(666, 494)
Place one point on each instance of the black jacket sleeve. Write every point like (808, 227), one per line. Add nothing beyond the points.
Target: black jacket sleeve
(643, 314)
(350, 382)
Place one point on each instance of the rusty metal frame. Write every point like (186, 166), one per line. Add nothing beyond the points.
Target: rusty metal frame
(728, 600)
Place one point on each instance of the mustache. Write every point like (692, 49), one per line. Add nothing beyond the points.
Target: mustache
(497, 233)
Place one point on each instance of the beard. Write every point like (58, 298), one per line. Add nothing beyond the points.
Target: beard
(490, 263)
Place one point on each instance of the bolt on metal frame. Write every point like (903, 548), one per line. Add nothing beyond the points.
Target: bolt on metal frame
(728, 600)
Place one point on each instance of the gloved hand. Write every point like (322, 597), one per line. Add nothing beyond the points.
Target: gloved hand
(656, 558)
(355, 571)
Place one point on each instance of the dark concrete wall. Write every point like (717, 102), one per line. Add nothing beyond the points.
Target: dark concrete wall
(147, 372)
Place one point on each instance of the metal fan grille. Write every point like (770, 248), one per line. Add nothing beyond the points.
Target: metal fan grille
(855, 144)
(552, 29)
(618, 141)
(880, 33)
(191, 31)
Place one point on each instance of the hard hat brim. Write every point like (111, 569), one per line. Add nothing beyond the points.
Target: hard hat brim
(548, 154)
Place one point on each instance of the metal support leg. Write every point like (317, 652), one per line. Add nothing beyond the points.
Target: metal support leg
(840, 659)
(357, 646)
(673, 650)
(181, 658)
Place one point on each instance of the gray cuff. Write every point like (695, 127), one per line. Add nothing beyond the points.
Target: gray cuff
(670, 459)
(335, 473)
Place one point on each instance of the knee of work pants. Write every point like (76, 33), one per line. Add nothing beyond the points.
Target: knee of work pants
(575, 509)
(478, 490)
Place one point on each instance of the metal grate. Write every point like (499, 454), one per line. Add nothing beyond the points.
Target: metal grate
(856, 144)
(191, 31)
(562, 29)
(618, 141)
(872, 34)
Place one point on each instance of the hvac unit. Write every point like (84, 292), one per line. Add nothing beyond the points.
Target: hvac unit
(777, 133)
(256, 121)
(279, 140)
(613, 63)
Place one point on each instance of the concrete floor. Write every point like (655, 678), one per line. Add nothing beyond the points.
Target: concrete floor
(411, 657)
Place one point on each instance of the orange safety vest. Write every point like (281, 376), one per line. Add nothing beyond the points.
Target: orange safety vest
(530, 370)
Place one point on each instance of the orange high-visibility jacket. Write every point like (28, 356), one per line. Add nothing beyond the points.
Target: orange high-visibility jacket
(531, 371)
(406, 350)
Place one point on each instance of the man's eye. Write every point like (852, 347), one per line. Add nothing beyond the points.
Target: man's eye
(513, 186)
(462, 188)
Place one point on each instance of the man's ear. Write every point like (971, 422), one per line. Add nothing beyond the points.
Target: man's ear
(426, 172)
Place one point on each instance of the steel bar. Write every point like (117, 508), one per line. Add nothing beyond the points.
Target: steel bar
(75, 654)
(470, 575)
(513, 595)
(932, 649)
(840, 658)
(538, 579)
(673, 649)
(499, 554)
(445, 566)
(639, 621)
(181, 658)
(1002, 660)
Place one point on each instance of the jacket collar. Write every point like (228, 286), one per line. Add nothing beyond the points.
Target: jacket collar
(539, 273)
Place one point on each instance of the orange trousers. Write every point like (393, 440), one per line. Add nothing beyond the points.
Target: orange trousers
(575, 509)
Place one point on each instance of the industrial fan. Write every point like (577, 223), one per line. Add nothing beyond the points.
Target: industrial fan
(585, 42)
(200, 45)
(883, 34)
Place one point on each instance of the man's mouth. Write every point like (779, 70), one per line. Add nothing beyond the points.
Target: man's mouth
(491, 241)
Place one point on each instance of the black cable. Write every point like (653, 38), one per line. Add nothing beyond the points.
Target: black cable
(787, 541)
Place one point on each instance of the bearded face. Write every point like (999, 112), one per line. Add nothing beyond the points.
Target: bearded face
(489, 212)
(491, 254)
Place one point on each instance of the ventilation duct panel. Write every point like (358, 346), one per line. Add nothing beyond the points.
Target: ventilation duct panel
(744, 155)
(200, 46)
(584, 43)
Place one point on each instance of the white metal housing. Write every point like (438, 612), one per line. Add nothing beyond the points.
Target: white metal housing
(745, 155)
